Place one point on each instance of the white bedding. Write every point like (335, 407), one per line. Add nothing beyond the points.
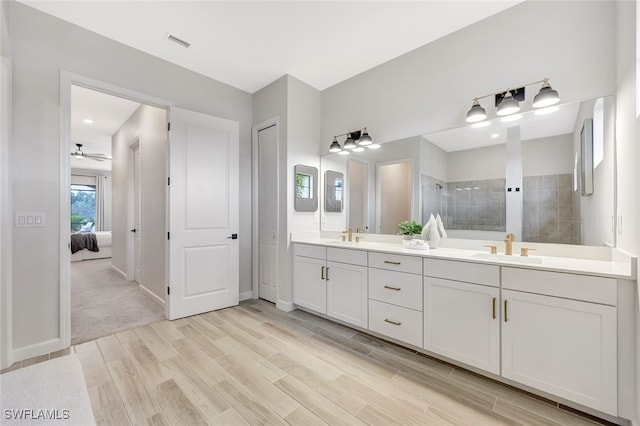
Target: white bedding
(104, 244)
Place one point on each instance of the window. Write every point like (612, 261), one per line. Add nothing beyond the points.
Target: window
(83, 207)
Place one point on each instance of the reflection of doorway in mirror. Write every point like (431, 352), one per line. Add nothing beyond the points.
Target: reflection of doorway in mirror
(394, 195)
(357, 204)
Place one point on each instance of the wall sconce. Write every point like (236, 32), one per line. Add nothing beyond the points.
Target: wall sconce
(354, 142)
(508, 102)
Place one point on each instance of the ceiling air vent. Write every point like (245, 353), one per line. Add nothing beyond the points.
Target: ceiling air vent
(179, 41)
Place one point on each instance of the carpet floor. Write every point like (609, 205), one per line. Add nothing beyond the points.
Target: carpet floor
(103, 303)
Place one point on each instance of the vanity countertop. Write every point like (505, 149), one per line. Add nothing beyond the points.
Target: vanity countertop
(622, 269)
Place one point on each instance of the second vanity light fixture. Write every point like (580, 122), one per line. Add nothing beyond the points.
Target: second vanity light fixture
(508, 102)
(355, 141)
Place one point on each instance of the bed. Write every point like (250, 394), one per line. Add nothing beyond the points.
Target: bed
(104, 244)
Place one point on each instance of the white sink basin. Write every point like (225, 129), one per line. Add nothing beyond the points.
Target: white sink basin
(505, 258)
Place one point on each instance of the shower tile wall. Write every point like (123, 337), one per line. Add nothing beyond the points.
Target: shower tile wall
(434, 198)
(551, 213)
(478, 205)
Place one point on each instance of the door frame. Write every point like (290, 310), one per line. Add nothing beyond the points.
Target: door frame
(68, 79)
(378, 221)
(255, 216)
(133, 145)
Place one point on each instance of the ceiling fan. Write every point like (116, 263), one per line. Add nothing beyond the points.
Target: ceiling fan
(80, 155)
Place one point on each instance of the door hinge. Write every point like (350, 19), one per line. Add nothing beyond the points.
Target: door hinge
(168, 126)
(168, 235)
(168, 181)
(168, 290)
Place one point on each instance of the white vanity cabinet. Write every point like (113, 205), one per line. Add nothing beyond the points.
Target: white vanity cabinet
(331, 281)
(462, 312)
(395, 297)
(309, 277)
(346, 277)
(559, 335)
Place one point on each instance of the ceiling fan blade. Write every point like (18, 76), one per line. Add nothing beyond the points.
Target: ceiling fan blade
(97, 157)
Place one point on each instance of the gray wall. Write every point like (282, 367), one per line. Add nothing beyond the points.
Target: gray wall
(297, 107)
(42, 46)
(149, 124)
(628, 151)
(536, 160)
(430, 88)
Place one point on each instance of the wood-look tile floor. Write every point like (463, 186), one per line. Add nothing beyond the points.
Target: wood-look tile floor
(253, 364)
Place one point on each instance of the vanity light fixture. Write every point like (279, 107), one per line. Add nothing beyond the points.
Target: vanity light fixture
(355, 140)
(508, 102)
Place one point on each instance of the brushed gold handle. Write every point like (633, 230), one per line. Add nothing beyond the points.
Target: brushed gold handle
(494, 308)
(505, 312)
(393, 288)
(391, 262)
(327, 274)
(392, 322)
(322, 273)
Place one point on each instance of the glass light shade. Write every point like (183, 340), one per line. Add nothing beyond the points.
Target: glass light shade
(335, 146)
(546, 97)
(365, 139)
(349, 143)
(476, 113)
(508, 105)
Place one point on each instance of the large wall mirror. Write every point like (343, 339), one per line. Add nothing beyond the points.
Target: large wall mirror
(522, 176)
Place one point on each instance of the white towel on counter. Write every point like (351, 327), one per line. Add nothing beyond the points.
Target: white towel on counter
(440, 226)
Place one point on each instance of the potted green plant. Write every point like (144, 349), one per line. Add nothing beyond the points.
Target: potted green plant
(409, 229)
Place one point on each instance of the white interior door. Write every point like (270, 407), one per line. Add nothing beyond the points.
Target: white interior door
(268, 213)
(203, 213)
(137, 229)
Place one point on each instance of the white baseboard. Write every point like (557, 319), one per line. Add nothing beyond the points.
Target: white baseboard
(246, 295)
(285, 306)
(152, 295)
(118, 271)
(37, 349)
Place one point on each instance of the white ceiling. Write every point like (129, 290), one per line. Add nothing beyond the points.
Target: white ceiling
(108, 113)
(532, 126)
(250, 44)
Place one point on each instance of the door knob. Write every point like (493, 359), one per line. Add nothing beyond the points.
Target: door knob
(233, 237)
(133, 230)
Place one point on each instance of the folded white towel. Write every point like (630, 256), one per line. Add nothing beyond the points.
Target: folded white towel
(440, 226)
(427, 227)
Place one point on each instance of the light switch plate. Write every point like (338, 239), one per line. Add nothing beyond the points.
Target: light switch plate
(30, 220)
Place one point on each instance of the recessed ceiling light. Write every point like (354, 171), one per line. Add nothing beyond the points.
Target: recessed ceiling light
(509, 118)
(87, 121)
(481, 124)
(495, 135)
(548, 110)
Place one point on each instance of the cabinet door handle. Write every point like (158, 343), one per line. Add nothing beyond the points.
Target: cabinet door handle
(391, 262)
(322, 273)
(392, 322)
(494, 308)
(505, 311)
(393, 288)
(327, 274)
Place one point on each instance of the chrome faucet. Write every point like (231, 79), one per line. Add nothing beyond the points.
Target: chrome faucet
(508, 244)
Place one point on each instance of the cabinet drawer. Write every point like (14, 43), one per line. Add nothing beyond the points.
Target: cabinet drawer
(396, 262)
(308, 250)
(569, 286)
(352, 257)
(399, 323)
(463, 271)
(397, 288)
